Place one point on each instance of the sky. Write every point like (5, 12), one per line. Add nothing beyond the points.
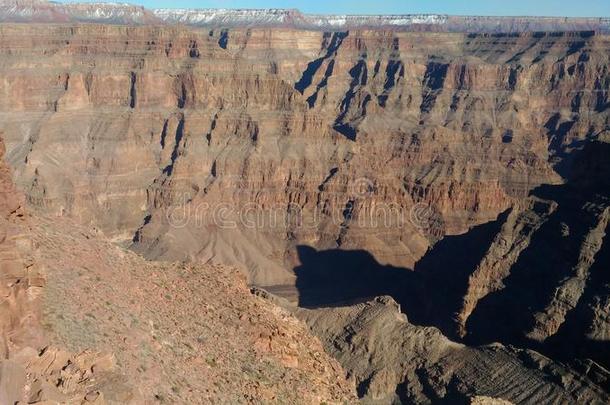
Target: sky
(568, 8)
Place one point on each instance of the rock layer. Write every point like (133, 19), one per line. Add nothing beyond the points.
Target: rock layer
(127, 14)
(326, 139)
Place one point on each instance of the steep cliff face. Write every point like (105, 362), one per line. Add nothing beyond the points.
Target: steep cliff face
(307, 137)
(553, 295)
(20, 278)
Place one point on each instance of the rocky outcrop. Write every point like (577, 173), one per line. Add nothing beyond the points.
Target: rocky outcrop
(20, 278)
(377, 345)
(56, 376)
(514, 237)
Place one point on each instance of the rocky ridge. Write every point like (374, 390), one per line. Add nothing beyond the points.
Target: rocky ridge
(394, 361)
(183, 333)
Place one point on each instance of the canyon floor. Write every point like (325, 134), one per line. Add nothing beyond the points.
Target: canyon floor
(252, 207)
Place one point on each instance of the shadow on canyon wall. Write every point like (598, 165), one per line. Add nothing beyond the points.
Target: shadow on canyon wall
(550, 259)
(432, 292)
(429, 294)
(554, 256)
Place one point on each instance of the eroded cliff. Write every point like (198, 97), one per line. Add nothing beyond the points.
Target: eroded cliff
(125, 127)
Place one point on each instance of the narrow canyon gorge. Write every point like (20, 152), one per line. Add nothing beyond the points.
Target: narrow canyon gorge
(277, 210)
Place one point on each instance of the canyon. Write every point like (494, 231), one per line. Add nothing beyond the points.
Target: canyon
(417, 206)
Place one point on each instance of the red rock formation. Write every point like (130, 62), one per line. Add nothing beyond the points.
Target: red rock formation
(120, 127)
(20, 279)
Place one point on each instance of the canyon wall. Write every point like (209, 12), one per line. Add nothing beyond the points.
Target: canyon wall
(328, 139)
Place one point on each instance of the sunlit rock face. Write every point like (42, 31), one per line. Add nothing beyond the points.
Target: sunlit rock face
(372, 139)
